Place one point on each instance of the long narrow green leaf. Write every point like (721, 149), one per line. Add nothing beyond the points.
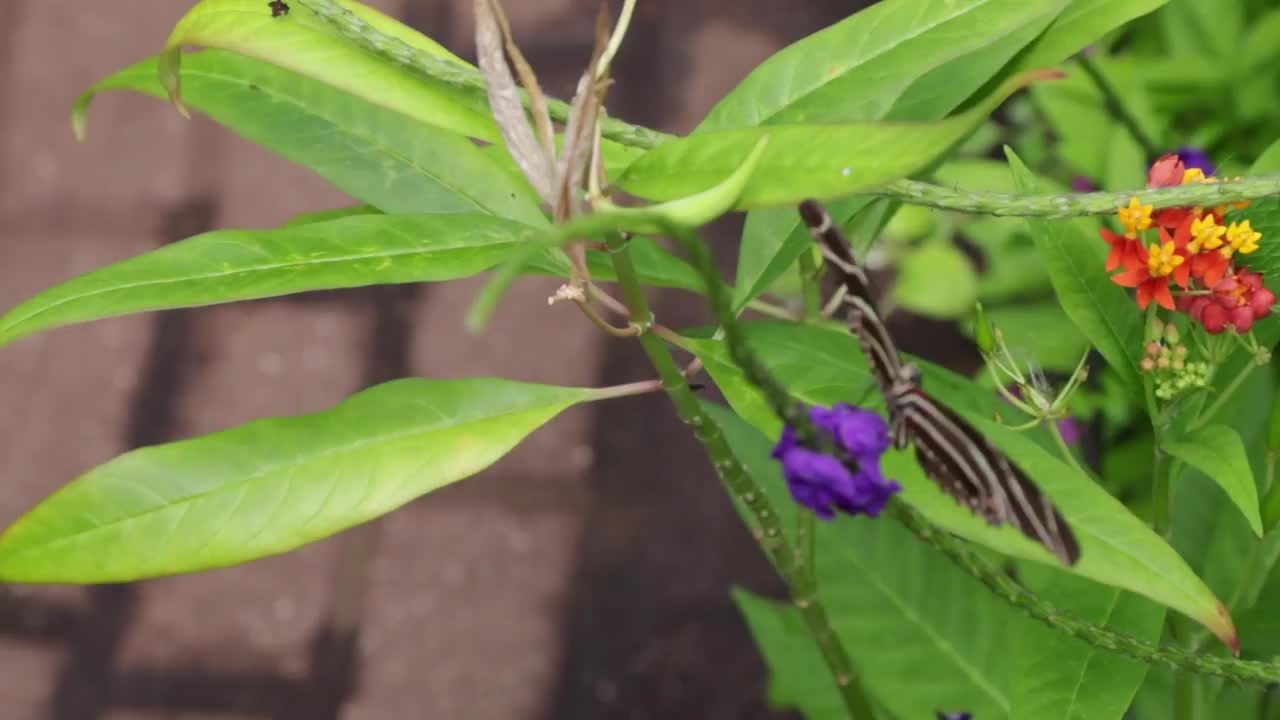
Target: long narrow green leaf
(273, 485)
(379, 156)
(824, 365)
(906, 59)
(304, 43)
(802, 161)
(229, 265)
(1218, 451)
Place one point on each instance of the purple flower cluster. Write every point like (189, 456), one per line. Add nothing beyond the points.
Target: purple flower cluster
(1194, 157)
(824, 483)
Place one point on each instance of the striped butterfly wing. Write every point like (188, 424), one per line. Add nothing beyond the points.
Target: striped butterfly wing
(964, 463)
(971, 469)
(864, 320)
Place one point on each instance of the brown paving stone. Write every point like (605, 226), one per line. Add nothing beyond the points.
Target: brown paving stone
(129, 168)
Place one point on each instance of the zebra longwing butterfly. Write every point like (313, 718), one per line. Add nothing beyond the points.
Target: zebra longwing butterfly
(964, 463)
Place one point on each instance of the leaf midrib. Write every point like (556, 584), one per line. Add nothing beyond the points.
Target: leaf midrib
(190, 500)
(939, 641)
(373, 141)
(4, 330)
(867, 59)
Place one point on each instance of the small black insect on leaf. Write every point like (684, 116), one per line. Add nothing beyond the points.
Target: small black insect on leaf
(279, 8)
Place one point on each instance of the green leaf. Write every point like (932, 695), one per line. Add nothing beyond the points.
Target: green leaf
(321, 216)
(916, 650)
(306, 44)
(919, 288)
(1024, 325)
(228, 265)
(803, 161)
(772, 240)
(1076, 112)
(1081, 23)
(1218, 451)
(907, 59)
(1063, 678)
(273, 485)
(377, 155)
(798, 676)
(1076, 260)
(824, 365)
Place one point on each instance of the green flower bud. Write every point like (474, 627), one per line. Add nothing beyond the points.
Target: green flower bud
(982, 333)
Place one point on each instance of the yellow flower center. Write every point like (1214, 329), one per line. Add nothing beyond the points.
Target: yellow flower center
(1136, 217)
(1206, 234)
(1191, 175)
(1241, 238)
(1162, 259)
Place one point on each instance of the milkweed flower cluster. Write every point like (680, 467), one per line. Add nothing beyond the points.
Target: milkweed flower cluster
(851, 482)
(1200, 250)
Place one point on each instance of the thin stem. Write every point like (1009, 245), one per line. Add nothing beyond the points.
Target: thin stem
(915, 192)
(1118, 107)
(806, 554)
(1161, 489)
(771, 310)
(643, 387)
(740, 483)
(615, 40)
(605, 325)
(1065, 449)
(1223, 397)
(809, 287)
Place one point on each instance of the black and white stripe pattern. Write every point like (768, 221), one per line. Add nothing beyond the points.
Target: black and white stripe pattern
(963, 462)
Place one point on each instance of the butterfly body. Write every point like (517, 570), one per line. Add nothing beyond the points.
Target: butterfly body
(963, 462)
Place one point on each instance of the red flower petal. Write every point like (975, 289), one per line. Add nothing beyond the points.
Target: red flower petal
(1131, 278)
(1261, 303)
(1242, 318)
(1166, 171)
(1214, 318)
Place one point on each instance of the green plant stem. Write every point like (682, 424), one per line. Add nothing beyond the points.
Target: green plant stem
(1174, 657)
(1223, 397)
(809, 287)
(434, 69)
(1064, 448)
(806, 546)
(1118, 107)
(1160, 491)
(740, 483)
(1077, 204)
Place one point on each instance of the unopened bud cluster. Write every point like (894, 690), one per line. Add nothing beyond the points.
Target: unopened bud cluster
(1166, 359)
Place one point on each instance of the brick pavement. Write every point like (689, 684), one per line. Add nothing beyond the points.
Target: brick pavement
(557, 584)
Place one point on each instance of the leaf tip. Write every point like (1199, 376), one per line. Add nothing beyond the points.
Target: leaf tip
(1225, 628)
(169, 70)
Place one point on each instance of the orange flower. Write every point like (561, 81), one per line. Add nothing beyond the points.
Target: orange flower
(1160, 263)
(1126, 252)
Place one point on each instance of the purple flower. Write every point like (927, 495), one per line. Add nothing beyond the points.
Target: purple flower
(1082, 184)
(955, 716)
(1194, 157)
(826, 484)
(1071, 430)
